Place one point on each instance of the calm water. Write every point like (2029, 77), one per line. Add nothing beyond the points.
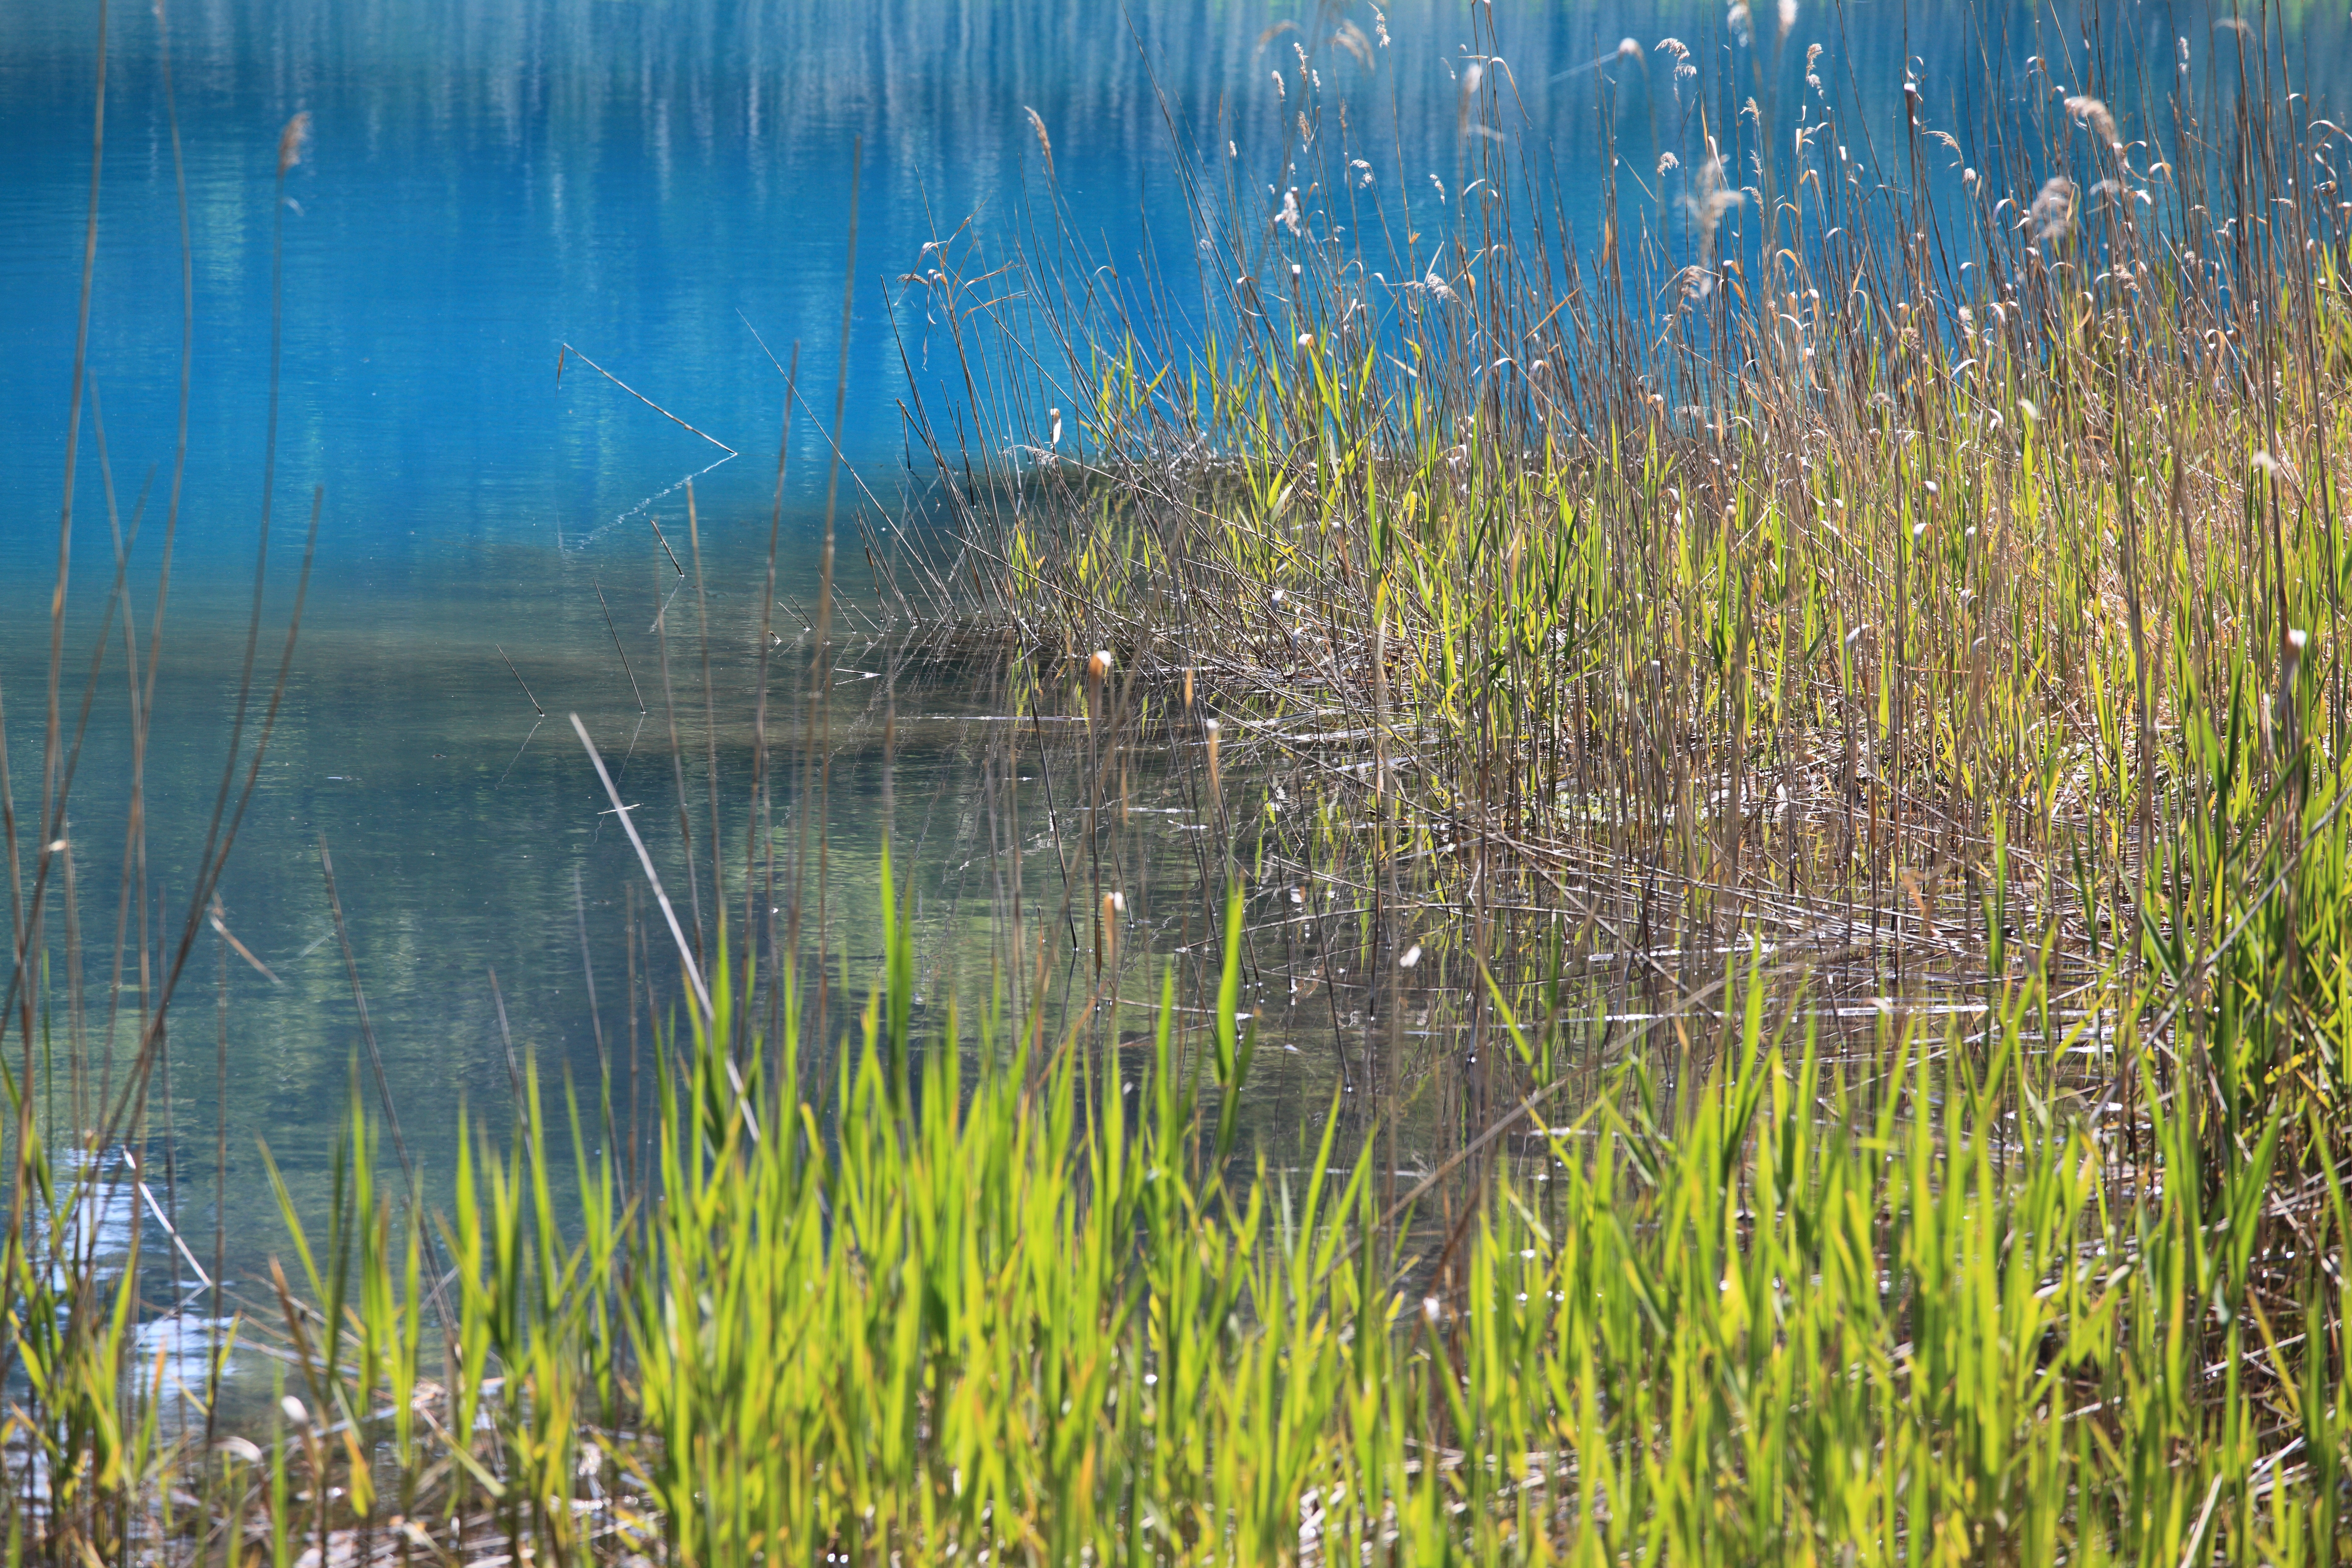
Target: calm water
(666, 185)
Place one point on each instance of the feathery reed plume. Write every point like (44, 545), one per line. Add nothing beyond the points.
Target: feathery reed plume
(1045, 142)
(2286, 712)
(291, 140)
(2092, 112)
(1111, 906)
(2052, 216)
(1098, 672)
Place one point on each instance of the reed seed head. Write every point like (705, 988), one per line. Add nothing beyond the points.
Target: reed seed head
(1045, 142)
(2093, 113)
(291, 142)
(1114, 905)
(2052, 217)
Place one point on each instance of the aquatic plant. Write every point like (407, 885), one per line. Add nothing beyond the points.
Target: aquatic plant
(1825, 560)
(1037, 1303)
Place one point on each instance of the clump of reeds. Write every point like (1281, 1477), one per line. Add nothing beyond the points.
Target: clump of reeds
(1936, 583)
(1911, 575)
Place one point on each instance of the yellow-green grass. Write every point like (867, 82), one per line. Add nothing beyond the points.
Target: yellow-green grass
(997, 1298)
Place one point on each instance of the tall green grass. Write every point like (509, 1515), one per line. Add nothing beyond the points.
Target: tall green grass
(990, 1297)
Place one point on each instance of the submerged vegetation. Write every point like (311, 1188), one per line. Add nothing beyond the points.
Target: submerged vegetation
(1840, 673)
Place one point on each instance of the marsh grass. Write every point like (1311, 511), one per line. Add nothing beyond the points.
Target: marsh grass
(1769, 562)
(1925, 570)
(98, 1403)
(986, 1298)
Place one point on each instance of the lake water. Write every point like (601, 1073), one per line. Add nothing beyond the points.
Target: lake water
(666, 186)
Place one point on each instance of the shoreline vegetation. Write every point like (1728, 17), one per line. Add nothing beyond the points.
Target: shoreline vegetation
(1838, 660)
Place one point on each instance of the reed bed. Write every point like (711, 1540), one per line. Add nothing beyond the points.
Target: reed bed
(996, 1299)
(1822, 707)
(1922, 557)
(1785, 554)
